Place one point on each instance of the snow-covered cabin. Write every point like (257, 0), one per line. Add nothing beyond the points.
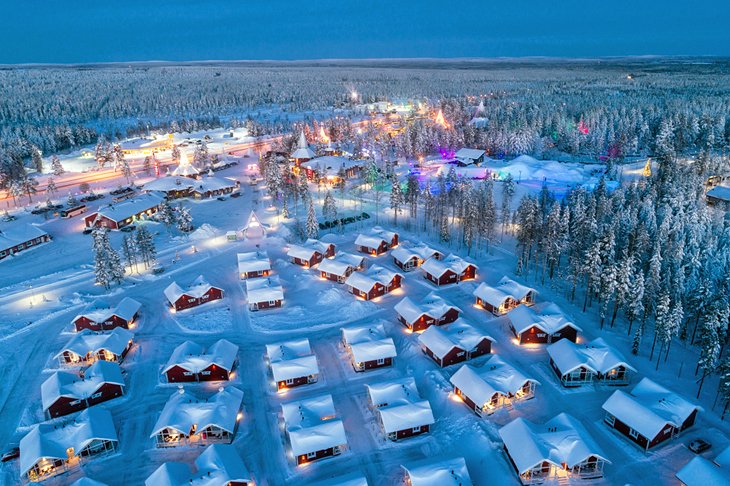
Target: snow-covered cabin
(103, 318)
(187, 420)
(254, 228)
(117, 216)
(649, 414)
(368, 346)
(253, 264)
(431, 311)
(376, 242)
(310, 253)
(373, 282)
(703, 472)
(52, 449)
(341, 266)
(64, 392)
(184, 167)
(199, 292)
(17, 237)
(408, 258)
(448, 472)
(218, 465)
(494, 386)
(559, 448)
(400, 409)
(85, 347)
(454, 343)
(292, 363)
(264, 293)
(719, 194)
(469, 156)
(210, 186)
(332, 167)
(596, 361)
(171, 187)
(313, 429)
(504, 296)
(450, 269)
(190, 363)
(546, 325)
(302, 153)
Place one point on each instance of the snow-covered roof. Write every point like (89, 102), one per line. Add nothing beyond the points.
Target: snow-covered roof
(197, 289)
(253, 261)
(459, 334)
(71, 385)
(184, 167)
(254, 224)
(169, 183)
(723, 458)
(449, 472)
(393, 392)
(211, 183)
(126, 309)
(288, 350)
(86, 341)
(506, 288)
(341, 264)
(406, 416)
(370, 241)
(596, 355)
(721, 192)
(369, 343)
(52, 440)
(549, 318)
(190, 356)
(406, 252)
(496, 376)
(649, 407)
(302, 252)
(701, 472)
(294, 368)
(183, 410)
(312, 424)
(302, 151)
(14, 234)
(365, 281)
(330, 165)
(433, 305)
(439, 267)
(264, 289)
(387, 235)
(218, 465)
(130, 207)
(561, 440)
(468, 154)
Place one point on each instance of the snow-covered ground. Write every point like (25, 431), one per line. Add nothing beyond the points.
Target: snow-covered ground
(41, 290)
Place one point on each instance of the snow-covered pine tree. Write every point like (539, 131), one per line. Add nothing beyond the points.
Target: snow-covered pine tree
(396, 198)
(508, 192)
(661, 321)
(166, 215)
(146, 247)
(130, 252)
(183, 219)
(56, 166)
(329, 208)
(37, 159)
(126, 170)
(147, 165)
(51, 186)
(312, 227)
(101, 258)
(634, 302)
(175, 154)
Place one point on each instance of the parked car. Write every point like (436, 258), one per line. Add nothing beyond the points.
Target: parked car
(88, 231)
(128, 228)
(221, 198)
(699, 446)
(236, 194)
(11, 454)
(158, 269)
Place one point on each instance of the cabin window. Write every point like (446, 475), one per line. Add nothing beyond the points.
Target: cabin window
(272, 302)
(381, 361)
(96, 395)
(416, 429)
(610, 420)
(191, 300)
(205, 373)
(2, 253)
(75, 402)
(187, 373)
(290, 381)
(311, 455)
(633, 434)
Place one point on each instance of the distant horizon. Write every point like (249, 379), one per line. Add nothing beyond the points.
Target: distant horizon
(91, 32)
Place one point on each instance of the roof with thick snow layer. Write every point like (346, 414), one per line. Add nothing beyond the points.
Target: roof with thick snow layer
(218, 465)
(391, 393)
(702, 472)
(468, 153)
(406, 416)
(264, 289)
(561, 440)
(253, 261)
(370, 241)
(14, 234)
(649, 407)
(71, 385)
(288, 350)
(126, 309)
(312, 424)
(432, 305)
(294, 368)
(506, 288)
(126, 209)
(86, 341)
(365, 281)
(302, 252)
(460, 334)
(52, 441)
(183, 410)
(448, 472)
(596, 355)
(496, 376)
(406, 252)
(549, 318)
(190, 356)
(330, 165)
(451, 262)
(369, 343)
(197, 289)
(721, 192)
(341, 264)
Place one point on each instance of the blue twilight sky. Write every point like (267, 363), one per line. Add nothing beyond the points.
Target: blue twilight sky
(72, 31)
